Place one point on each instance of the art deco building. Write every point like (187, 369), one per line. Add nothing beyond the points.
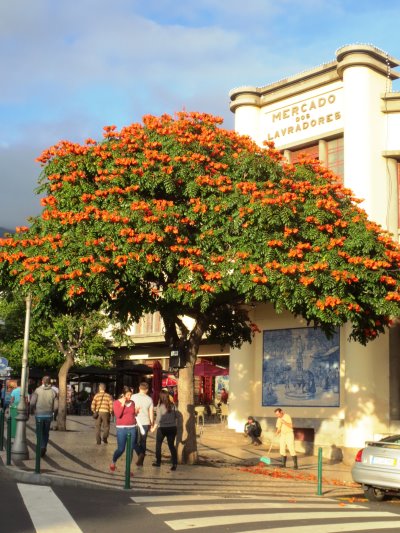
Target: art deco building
(345, 113)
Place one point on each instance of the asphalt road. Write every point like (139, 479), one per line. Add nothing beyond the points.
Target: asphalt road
(40, 509)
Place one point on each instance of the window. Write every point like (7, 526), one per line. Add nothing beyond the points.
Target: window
(398, 191)
(311, 152)
(149, 324)
(334, 157)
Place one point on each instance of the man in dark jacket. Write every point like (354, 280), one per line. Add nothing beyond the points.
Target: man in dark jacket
(43, 403)
(252, 429)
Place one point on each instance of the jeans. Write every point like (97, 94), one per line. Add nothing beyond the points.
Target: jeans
(170, 433)
(122, 435)
(46, 423)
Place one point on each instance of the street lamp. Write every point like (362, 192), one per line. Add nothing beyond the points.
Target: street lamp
(19, 448)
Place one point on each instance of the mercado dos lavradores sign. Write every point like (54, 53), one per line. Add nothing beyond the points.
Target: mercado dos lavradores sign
(294, 120)
(300, 368)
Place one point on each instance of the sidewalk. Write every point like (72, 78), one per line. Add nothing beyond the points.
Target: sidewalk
(227, 464)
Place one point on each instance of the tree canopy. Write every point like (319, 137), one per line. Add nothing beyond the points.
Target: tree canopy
(181, 216)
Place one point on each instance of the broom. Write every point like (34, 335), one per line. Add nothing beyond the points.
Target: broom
(267, 460)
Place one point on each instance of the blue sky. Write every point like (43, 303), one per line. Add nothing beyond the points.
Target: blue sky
(68, 68)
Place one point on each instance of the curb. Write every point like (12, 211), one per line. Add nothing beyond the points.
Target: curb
(12, 472)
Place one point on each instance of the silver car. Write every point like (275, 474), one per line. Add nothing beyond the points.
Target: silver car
(377, 468)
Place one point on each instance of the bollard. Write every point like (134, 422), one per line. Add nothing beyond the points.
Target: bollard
(39, 433)
(8, 447)
(1, 430)
(319, 487)
(128, 461)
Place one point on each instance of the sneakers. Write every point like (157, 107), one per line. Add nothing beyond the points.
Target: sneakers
(173, 467)
(105, 441)
(112, 467)
(156, 464)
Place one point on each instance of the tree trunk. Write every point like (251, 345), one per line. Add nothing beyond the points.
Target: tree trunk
(62, 397)
(187, 444)
(188, 344)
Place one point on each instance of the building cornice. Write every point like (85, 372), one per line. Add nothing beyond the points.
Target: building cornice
(390, 103)
(392, 154)
(347, 56)
(285, 88)
(366, 55)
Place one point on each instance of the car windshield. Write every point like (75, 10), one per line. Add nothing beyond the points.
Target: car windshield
(393, 439)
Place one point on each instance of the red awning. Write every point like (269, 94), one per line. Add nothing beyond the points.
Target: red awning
(207, 368)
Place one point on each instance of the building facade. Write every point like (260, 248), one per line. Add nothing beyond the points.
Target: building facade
(345, 113)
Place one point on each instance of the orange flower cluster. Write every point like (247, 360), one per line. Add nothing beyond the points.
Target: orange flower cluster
(290, 231)
(75, 291)
(242, 255)
(198, 206)
(393, 297)
(185, 287)
(304, 280)
(260, 280)
(344, 275)
(330, 301)
(336, 242)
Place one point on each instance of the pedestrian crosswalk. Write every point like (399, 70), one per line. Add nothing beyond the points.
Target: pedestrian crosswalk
(55, 510)
(275, 514)
(46, 510)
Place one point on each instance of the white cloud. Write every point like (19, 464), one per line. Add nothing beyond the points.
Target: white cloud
(68, 68)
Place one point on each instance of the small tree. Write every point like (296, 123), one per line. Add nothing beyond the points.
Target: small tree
(58, 340)
(181, 216)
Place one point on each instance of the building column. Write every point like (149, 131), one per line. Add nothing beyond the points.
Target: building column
(365, 126)
(245, 104)
(366, 395)
(241, 384)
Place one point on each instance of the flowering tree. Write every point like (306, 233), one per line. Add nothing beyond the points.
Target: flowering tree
(181, 216)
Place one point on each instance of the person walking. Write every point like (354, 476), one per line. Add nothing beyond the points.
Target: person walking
(165, 425)
(125, 422)
(54, 386)
(44, 402)
(253, 430)
(102, 409)
(284, 429)
(16, 394)
(145, 419)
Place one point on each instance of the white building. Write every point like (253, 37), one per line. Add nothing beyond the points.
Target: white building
(345, 113)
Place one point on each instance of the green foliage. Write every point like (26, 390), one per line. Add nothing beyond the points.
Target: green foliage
(52, 336)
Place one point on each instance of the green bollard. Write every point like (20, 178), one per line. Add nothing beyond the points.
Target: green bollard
(319, 487)
(13, 410)
(128, 461)
(39, 432)
(1, 430)
(8, 447)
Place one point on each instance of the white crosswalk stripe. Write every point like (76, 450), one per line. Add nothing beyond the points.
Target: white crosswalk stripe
(278, 514)
(46, 510)
(204, 507)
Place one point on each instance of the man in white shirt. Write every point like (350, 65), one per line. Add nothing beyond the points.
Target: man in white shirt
(145, 419)
(284, 428)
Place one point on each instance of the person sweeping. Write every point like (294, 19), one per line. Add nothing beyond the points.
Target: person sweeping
(284, 429)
